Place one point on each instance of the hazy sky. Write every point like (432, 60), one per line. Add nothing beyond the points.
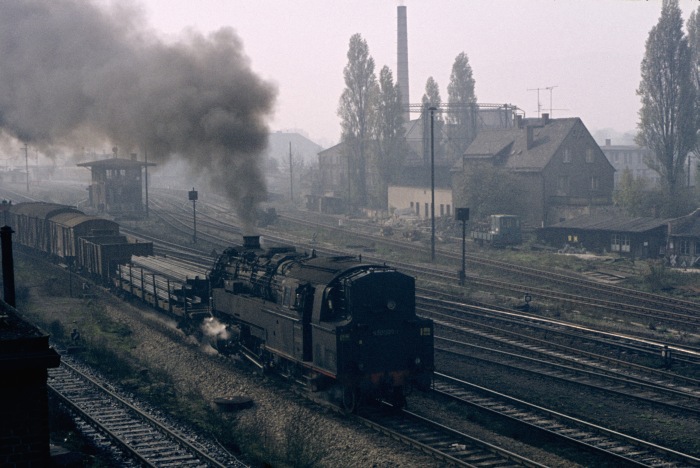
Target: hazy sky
(588, 51)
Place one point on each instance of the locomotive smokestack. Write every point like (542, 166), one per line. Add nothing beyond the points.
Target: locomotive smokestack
(251, 242)
(402, 60)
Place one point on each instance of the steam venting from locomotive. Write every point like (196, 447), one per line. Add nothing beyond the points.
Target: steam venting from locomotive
(71, 71)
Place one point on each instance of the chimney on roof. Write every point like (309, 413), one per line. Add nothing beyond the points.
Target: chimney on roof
(545, 118)
(133, 156)
(530, 131)
(607, 142)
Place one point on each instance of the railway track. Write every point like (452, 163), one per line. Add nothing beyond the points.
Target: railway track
(540, 331)
(445, 444)
(680, 400)
(605, 442)
(119, 425)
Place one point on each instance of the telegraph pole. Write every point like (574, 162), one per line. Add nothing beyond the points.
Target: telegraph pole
(432, 183)
(145, 154)
(26, 165)
(291, 178)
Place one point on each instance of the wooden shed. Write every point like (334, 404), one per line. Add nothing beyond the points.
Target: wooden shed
(603, 233)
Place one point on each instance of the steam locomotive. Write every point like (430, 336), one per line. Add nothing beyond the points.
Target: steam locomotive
(337, 324)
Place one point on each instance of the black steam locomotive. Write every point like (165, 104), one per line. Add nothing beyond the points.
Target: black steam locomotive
(340, 325)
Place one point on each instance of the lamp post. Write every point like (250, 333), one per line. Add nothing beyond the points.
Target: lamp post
(432, 183)
(193, 197)
(462, 214)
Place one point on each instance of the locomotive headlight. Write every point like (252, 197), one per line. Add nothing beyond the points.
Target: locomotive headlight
(391, 304)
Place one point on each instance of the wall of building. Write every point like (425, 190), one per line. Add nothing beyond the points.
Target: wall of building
(418, 198)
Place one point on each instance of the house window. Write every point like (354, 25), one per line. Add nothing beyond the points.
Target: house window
(620, 243)
(567, 155)
(448, 210)
(417, 209)
(573, 238)
(442, 209)
(563, 184)
(683, 247)
(595, 183)
(589, 155)
(426, 210)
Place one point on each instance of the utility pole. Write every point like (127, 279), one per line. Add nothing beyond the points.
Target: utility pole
(291, 177)
(145, 155)
(26, 165)
(432, 183)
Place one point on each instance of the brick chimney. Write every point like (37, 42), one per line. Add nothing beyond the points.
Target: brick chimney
(530, 131)
(545, 119)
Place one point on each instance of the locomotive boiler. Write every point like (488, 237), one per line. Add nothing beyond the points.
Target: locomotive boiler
(335, 323)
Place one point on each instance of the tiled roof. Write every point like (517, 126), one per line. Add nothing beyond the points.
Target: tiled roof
(512, 144)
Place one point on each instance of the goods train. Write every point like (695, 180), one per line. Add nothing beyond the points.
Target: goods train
(340, 325)
(336, 324)
(91, 245)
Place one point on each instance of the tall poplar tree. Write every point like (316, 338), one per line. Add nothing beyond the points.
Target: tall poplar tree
(667, 122)
(431, 98)
(461, 118)
(389, 134)
(355, 112)
(694, 44)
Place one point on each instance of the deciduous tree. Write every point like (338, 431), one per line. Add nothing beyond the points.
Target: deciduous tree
(355, 111)
(389, 135)
(667, 123)
(461, 99)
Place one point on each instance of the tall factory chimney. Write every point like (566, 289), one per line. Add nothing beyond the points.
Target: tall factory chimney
(402, 60)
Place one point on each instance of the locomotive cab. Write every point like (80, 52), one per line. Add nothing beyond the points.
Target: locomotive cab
(382, 347)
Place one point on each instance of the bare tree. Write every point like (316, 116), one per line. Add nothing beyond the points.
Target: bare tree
(667, 123)
(355, 112)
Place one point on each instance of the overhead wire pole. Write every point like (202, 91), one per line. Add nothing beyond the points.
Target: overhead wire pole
(26, 165)
(432, 182)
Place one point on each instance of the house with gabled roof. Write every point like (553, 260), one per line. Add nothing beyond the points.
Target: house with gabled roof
(562, 170)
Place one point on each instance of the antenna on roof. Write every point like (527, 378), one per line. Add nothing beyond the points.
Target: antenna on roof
(539, 106)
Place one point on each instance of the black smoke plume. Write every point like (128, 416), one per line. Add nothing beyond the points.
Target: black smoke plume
(70, 69)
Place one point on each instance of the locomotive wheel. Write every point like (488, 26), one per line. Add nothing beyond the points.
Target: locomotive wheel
(350, 399)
